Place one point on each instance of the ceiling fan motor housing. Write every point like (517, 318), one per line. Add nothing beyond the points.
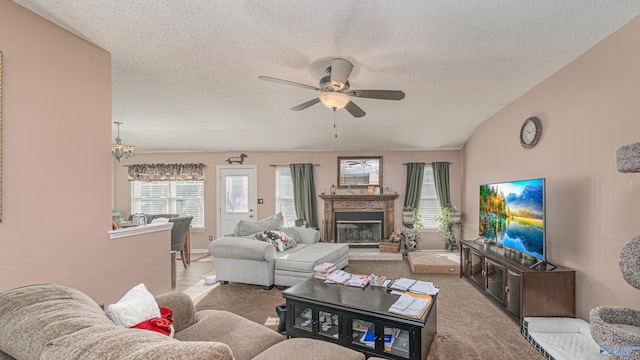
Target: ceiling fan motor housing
(327, 85)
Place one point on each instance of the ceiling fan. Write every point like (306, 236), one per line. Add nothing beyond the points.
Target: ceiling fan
(335, 90)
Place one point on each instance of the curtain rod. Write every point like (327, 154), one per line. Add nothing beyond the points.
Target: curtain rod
(450, 163)
(274, 165)
(162, 164)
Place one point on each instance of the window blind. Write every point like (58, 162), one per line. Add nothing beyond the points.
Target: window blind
(169, 197)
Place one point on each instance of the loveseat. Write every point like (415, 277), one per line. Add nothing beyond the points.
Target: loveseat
(240, 258)
(55, 322)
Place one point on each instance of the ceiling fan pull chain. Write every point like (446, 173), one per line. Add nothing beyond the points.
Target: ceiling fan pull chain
(335, 123)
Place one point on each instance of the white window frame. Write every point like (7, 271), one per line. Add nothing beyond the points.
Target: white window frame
(288, 213)
(171, 199)
(429, 203)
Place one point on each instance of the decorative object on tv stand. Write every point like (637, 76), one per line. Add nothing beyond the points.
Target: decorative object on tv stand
(391, 245)
(237, 159)
(119, 151)
(617, 329)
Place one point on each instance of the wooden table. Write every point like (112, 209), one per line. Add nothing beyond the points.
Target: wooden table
(338, 313)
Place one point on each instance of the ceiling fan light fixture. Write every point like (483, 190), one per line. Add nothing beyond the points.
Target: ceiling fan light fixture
(334, 100)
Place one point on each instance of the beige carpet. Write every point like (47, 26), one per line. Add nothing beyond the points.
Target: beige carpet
(470, 326)
(425, 262)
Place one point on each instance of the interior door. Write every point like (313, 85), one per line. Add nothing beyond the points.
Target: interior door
(236, 197)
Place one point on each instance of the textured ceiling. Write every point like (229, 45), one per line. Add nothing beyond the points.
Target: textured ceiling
(185, 73)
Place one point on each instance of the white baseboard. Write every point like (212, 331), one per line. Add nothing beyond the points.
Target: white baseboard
(199, 251)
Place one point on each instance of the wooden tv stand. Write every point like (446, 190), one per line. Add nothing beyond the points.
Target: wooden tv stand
(508, 279)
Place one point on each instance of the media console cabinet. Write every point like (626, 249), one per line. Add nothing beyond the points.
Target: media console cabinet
(505, 277)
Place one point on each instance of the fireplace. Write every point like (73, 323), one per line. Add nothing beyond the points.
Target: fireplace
(357, 219)
(359, 227)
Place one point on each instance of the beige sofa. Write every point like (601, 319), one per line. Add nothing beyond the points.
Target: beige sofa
(55, 322)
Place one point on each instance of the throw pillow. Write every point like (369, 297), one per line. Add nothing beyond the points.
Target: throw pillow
(279, 239)
(137, 305)
(291, 232)
(244, 228)
(262, 236)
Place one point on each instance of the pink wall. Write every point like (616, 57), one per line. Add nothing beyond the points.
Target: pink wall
(588, 109)
(394, 176)
(56, 167)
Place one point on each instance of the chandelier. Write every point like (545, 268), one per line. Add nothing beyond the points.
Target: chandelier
(120, 151)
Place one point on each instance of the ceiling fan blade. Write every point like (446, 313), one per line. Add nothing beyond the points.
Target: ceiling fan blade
(377, 94)
(287, 82)
(306, 104)
(354, 109)
(340, 71)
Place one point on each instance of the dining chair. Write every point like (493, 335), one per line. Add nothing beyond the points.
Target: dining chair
(179, 235)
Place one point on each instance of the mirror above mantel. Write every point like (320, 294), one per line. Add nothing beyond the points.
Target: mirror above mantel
(359, 171)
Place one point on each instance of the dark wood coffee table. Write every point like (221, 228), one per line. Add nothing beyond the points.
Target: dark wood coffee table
(343, 315)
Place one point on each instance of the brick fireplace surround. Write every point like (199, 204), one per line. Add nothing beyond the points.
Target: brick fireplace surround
(356, 203)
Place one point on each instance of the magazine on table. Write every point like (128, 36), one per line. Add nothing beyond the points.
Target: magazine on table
(423, 287)
(338, 277)
(359, 280)
(324, 267)
(401, 284)
(378, 280)
(411, 305)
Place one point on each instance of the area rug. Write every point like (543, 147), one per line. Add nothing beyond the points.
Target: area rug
(470, 326)
(426, 262)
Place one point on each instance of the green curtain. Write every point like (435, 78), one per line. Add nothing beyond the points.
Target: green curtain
(304, 193)
(413, 188)
(441, 181)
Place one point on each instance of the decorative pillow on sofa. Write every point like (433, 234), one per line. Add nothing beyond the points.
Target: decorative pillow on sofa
(244, 227)
(291, 232)
(279, 239)
(138, 305)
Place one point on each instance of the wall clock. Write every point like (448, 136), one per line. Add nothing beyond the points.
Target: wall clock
(530, 132)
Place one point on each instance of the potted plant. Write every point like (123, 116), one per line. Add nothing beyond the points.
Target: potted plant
(408, 215)
(445, 228)
(391, 245)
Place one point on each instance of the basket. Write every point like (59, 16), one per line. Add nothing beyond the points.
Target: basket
(389, 247)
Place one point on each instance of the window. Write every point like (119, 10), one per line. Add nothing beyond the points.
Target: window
(169, 197)
(429, 203)
(284, 195)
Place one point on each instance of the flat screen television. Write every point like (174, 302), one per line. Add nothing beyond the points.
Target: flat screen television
(512, 215)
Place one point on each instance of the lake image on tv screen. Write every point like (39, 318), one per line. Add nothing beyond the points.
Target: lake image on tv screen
(512, 214)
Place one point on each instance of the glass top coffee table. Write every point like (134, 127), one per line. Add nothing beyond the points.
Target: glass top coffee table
(359, 319)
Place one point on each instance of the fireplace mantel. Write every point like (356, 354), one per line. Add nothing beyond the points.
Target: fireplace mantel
(356, 203)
